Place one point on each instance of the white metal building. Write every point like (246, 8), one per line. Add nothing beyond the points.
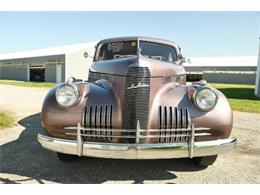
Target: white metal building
(237, 70)
(47, 65)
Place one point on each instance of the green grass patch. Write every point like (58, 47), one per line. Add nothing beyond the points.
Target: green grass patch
(27, 84)
(240, 97)
(5, 120)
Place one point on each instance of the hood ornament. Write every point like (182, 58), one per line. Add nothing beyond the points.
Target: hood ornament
(138, 85)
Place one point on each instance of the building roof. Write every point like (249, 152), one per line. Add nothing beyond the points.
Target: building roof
(223, 61)
(47, 51)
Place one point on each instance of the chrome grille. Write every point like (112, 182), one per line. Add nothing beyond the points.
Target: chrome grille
(173, 118)
(136, 100)
(98, 117)
(174, 127)
(118, 133)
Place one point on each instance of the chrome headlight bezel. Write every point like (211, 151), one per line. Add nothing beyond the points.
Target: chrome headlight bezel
(195, 98)
(74, 89)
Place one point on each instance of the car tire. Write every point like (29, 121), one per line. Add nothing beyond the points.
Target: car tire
(66, 157)
(205, 160)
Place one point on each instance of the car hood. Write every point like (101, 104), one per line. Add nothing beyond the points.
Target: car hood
(119, 66)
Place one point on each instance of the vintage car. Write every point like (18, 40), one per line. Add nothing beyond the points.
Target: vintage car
(136, 105)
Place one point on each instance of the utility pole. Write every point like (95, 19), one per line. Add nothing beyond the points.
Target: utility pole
(257, 80)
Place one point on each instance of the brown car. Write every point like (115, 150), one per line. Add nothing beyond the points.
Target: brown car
(136, 105)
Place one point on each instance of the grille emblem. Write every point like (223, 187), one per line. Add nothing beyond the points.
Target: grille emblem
(138, 85)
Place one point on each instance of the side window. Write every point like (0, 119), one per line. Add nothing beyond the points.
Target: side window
(158, 51)
(120, 49)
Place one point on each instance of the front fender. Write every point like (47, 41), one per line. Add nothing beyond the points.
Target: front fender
(218, 121)
(55, 118)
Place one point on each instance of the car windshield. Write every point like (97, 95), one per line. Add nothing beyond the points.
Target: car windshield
(158, 51)
(125, 49)
(119, 49)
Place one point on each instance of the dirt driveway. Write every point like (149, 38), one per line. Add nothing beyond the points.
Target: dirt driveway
(23, 160)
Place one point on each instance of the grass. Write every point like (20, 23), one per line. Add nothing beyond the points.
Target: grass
(5, 120)
(27, 84)
(240, 97)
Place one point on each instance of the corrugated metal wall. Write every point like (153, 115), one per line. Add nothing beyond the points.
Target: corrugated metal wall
(18, 69)
(14, 72)
(50, 73)
(63, 73)
(232, 78)
(225, 74)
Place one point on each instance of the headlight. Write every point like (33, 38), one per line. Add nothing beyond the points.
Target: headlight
(67, 95)
(205, 99)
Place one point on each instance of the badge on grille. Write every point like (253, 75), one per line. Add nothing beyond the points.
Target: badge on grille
(138, 85)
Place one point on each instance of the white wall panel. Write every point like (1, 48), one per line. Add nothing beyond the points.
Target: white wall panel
(76, 65)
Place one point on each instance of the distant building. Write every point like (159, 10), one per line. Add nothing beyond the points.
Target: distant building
(58, 63)
(47, 65)
(237, 70)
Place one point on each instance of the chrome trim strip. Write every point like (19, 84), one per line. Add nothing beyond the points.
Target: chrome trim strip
(140, 136)
(163, 136)
(202, 134)
(191, 152)
(137, 137)
(134, 130)
(110, 136)
(81, 131)
(79, 141)
(98, 129)
(138, 151)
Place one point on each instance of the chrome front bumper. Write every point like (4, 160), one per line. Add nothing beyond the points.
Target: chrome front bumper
(137, 151)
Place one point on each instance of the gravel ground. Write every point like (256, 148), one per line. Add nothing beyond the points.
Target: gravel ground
(23, 160)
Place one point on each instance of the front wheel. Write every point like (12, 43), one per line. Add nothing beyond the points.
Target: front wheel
(66, 157)
(205, 160)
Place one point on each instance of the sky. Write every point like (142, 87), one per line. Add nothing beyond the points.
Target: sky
(199, 34)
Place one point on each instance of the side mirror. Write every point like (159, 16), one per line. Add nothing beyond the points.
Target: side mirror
(182, 59)
(86, 55)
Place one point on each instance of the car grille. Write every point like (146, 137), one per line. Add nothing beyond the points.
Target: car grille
(174, 127)
(173, 118)
(136, 101)
(98, 117)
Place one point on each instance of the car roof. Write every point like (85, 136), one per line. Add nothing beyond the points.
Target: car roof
(143, 38)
